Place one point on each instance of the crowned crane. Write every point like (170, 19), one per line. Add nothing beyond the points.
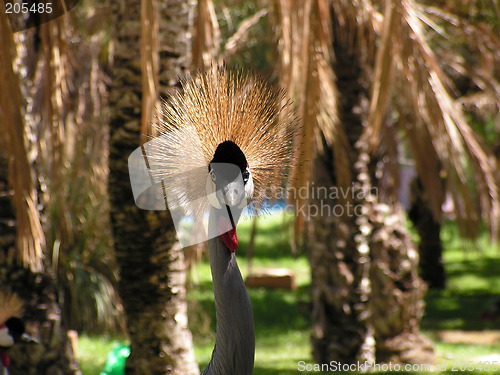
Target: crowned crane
(229, 138)
(235, 338)
(11, 332)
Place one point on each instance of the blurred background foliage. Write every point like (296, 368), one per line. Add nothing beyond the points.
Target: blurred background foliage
(65, 113)
(72, 170)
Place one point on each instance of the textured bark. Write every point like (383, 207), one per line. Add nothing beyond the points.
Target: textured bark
(152, 284)
(367, 295)
(340, 279)
(430, 246)
(397, 300)
(7, 215)
(339, 254)
(175, 25)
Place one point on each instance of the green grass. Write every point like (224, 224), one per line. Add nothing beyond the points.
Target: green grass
(93, 350)
(473, 272)
(282, 317)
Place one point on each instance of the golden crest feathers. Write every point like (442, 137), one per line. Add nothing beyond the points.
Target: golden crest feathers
(220, 105)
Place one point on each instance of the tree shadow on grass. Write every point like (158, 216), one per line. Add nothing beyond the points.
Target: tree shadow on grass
(274, 310)
(474, 285)
(449, 311)
(280, 309)
(482, 275)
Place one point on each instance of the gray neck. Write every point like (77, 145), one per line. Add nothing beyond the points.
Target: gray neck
(235, 336)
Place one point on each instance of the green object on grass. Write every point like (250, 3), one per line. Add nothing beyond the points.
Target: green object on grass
(115, 363)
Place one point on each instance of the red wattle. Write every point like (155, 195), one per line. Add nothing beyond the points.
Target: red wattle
(229, 238)
(4, 358)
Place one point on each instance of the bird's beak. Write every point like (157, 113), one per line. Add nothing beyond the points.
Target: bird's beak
(27, 339)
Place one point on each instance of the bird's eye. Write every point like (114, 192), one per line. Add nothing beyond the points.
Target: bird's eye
(246, 175)
(212, 175)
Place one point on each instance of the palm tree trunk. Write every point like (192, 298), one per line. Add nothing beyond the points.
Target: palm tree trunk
(340, 264)
(7, 216)
(430, 246)
(397, 299)
(152, 274)
(367, 296)
(339, 253)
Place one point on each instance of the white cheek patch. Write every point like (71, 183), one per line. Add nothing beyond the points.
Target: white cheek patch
(6, 339)
(249, 188)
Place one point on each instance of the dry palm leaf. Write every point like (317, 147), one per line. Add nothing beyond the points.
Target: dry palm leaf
(207, 36)
(438, 129)
(30, 239)
(240, 37)
(149, 64)
(307, 75)
(383, 74)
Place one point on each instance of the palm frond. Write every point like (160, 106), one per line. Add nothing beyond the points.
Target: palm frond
(149, 65)
(30, 238)
(307, 75)
(359, 22)
(438, 128)
(240, 37)
(92, 303)
(68, 100)
(427, 162)
(479, 39)
(207, 36)
(382, 74)
(454, 140)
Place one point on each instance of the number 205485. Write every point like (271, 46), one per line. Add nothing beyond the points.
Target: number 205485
(38, 7)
